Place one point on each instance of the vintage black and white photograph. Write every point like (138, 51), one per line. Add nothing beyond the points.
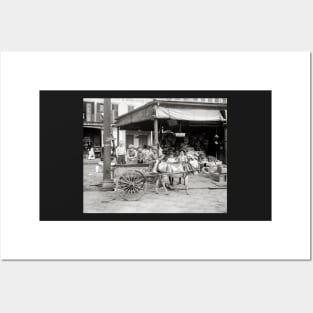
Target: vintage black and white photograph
(154, 155)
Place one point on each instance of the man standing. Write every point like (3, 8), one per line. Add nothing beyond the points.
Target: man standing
(131, 155)
(121, 153)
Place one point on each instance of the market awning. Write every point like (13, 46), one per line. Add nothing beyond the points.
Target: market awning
(141, 114)
(189, 114)
(172, 110)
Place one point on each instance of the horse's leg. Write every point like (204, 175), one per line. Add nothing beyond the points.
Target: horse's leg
(163, 184)
(155, 166)
(157, 185)
(186, 184)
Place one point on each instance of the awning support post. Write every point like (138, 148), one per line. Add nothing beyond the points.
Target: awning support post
(225, 143)
(156, 134)
(156, 130)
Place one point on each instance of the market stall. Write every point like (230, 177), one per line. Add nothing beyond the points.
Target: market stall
(191, 126)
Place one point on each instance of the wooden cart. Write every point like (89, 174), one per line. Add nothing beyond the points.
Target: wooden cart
(131, 180)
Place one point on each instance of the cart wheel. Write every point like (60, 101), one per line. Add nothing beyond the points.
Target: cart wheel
(131, 185)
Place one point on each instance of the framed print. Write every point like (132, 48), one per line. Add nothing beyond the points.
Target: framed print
(166, 157)
(154, 155)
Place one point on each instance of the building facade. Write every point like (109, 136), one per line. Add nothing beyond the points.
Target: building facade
(93, 121)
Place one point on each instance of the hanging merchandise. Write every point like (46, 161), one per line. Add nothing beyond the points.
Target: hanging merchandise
(216, 137)
(216, 142)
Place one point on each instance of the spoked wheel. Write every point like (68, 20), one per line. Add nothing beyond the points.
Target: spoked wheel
(131, 185)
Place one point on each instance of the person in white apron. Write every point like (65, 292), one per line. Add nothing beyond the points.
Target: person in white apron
(91, 154)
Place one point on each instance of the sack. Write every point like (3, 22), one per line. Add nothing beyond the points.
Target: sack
(211, 163)
(222, 169)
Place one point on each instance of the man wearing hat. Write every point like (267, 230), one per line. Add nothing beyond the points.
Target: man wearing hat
(120, 153)
(131, 155)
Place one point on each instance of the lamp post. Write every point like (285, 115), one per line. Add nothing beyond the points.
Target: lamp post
(107, 182)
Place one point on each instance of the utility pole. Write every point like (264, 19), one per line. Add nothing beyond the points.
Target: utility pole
(107, 183)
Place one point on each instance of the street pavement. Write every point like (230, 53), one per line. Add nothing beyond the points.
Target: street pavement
(201, 199)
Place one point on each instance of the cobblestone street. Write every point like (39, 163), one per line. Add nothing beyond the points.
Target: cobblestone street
(200, 200)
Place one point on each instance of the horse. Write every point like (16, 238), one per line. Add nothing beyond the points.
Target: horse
(174, 169)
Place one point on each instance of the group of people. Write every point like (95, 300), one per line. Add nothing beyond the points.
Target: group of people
(146, 154)
(208, 143)
(131, 155)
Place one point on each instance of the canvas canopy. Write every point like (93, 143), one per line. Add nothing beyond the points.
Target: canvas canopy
(169, 110)
(189, 114)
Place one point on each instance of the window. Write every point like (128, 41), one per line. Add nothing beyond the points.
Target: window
(89, 112)
(115, 110)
